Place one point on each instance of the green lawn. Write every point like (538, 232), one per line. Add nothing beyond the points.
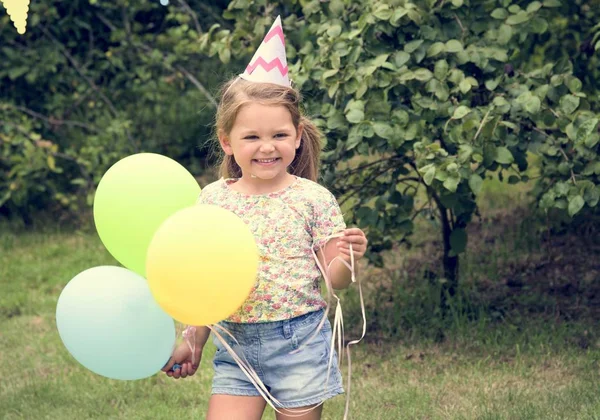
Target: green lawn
(491, 373)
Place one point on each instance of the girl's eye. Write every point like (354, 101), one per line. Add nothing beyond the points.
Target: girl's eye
(281, 135)
(250, 137)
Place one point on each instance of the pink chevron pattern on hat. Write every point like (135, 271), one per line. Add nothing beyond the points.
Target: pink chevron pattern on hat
(276, 63)
(269, 63)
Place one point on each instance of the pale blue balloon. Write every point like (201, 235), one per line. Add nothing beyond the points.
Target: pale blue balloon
(110, 323)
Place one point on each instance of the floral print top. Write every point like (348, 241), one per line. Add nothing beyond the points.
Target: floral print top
(286, 224)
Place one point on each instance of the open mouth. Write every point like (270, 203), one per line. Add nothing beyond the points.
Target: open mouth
(266, 162)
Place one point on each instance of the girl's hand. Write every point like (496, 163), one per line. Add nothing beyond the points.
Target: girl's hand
(183, 356)
(359, 242)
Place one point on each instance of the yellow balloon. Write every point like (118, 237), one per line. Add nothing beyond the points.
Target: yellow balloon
(201, 264)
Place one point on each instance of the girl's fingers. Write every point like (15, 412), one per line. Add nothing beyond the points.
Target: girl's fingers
(355, 247)
(354, 239)
(357, 254)
(353, 231)
(169, 365)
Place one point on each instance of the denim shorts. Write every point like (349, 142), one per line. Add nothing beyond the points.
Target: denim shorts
(295, 380)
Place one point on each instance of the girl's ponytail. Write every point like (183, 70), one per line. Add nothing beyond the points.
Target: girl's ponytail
(307, 161)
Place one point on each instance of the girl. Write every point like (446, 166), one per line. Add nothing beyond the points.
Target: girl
(269, 173)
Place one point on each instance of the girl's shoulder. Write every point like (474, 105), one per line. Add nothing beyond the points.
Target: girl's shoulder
(313, 191)
(313, 187)
(211, 190)
(213, 186)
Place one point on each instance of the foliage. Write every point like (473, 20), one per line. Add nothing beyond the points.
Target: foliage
(432, 96)
(92, 82)
(420, 100)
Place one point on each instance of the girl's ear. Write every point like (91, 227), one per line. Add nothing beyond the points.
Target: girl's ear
(299, 137)
(225, 143)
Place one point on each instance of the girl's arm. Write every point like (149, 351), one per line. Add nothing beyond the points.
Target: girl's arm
(201, 336)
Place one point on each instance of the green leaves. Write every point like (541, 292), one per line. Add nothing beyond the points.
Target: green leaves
(475, 183)
(451, 183)
(441, 69)
(454, 46)
(569, 103)
(383, 130)
(587, 134)
(401, 58)
(552, 3)
(412, 46)
(517, 19)
(355, 111)
(428, 172)
(435, 49)
(423, 75)
(504, 156)
(499, 13)
(576, 203)
(533, 105)
(448, 87)
(460, 112)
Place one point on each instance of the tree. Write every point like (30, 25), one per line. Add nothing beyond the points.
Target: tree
(93, 81)
(431, 96)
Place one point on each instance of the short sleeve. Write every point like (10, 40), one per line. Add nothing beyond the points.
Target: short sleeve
(327, 220)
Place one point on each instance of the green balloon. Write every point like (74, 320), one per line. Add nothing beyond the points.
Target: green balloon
(133, 198)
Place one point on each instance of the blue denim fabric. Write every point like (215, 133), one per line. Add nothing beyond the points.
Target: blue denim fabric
(296, 380)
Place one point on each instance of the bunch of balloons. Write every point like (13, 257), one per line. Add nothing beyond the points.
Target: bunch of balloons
(188, 262)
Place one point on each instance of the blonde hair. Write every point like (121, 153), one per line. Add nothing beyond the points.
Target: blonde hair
(238, 92)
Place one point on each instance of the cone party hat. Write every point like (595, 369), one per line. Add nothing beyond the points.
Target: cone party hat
(17, 10)
(269, 64)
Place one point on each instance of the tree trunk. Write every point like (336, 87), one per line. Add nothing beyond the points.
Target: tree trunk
(450, 262)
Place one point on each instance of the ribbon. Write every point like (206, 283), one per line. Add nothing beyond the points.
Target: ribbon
(337, 333)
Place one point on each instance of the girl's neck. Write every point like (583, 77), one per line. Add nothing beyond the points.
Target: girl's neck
(256, 186)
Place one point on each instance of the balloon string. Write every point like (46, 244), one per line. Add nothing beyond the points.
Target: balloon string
(253, 376)
(337, 333)
(189, 334)
(338, 324)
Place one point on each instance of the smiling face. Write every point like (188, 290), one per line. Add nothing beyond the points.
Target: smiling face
(263, 141)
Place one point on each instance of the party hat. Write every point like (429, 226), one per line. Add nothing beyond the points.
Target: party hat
(269, 64)
(17, 10)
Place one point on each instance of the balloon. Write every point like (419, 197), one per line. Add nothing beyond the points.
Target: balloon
(202, 264)
(133, 198)
(111, 324)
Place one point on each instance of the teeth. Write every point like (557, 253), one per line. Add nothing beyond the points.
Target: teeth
(266, 160)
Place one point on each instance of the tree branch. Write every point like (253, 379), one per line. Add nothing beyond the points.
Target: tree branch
(571, 169)
(148, 49)
(462, 28)
(354, 191)
(482, 124)
(89, 81)
(350, 171)
(198, 85)
(50, 120)
(215, 16)
(77, 68)
(188, 9)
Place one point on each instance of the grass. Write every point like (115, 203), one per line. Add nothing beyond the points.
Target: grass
(516, 345)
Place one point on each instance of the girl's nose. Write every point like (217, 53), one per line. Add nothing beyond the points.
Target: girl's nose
(267, 147)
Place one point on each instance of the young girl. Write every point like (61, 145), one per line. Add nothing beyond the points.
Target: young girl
(269, 175)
